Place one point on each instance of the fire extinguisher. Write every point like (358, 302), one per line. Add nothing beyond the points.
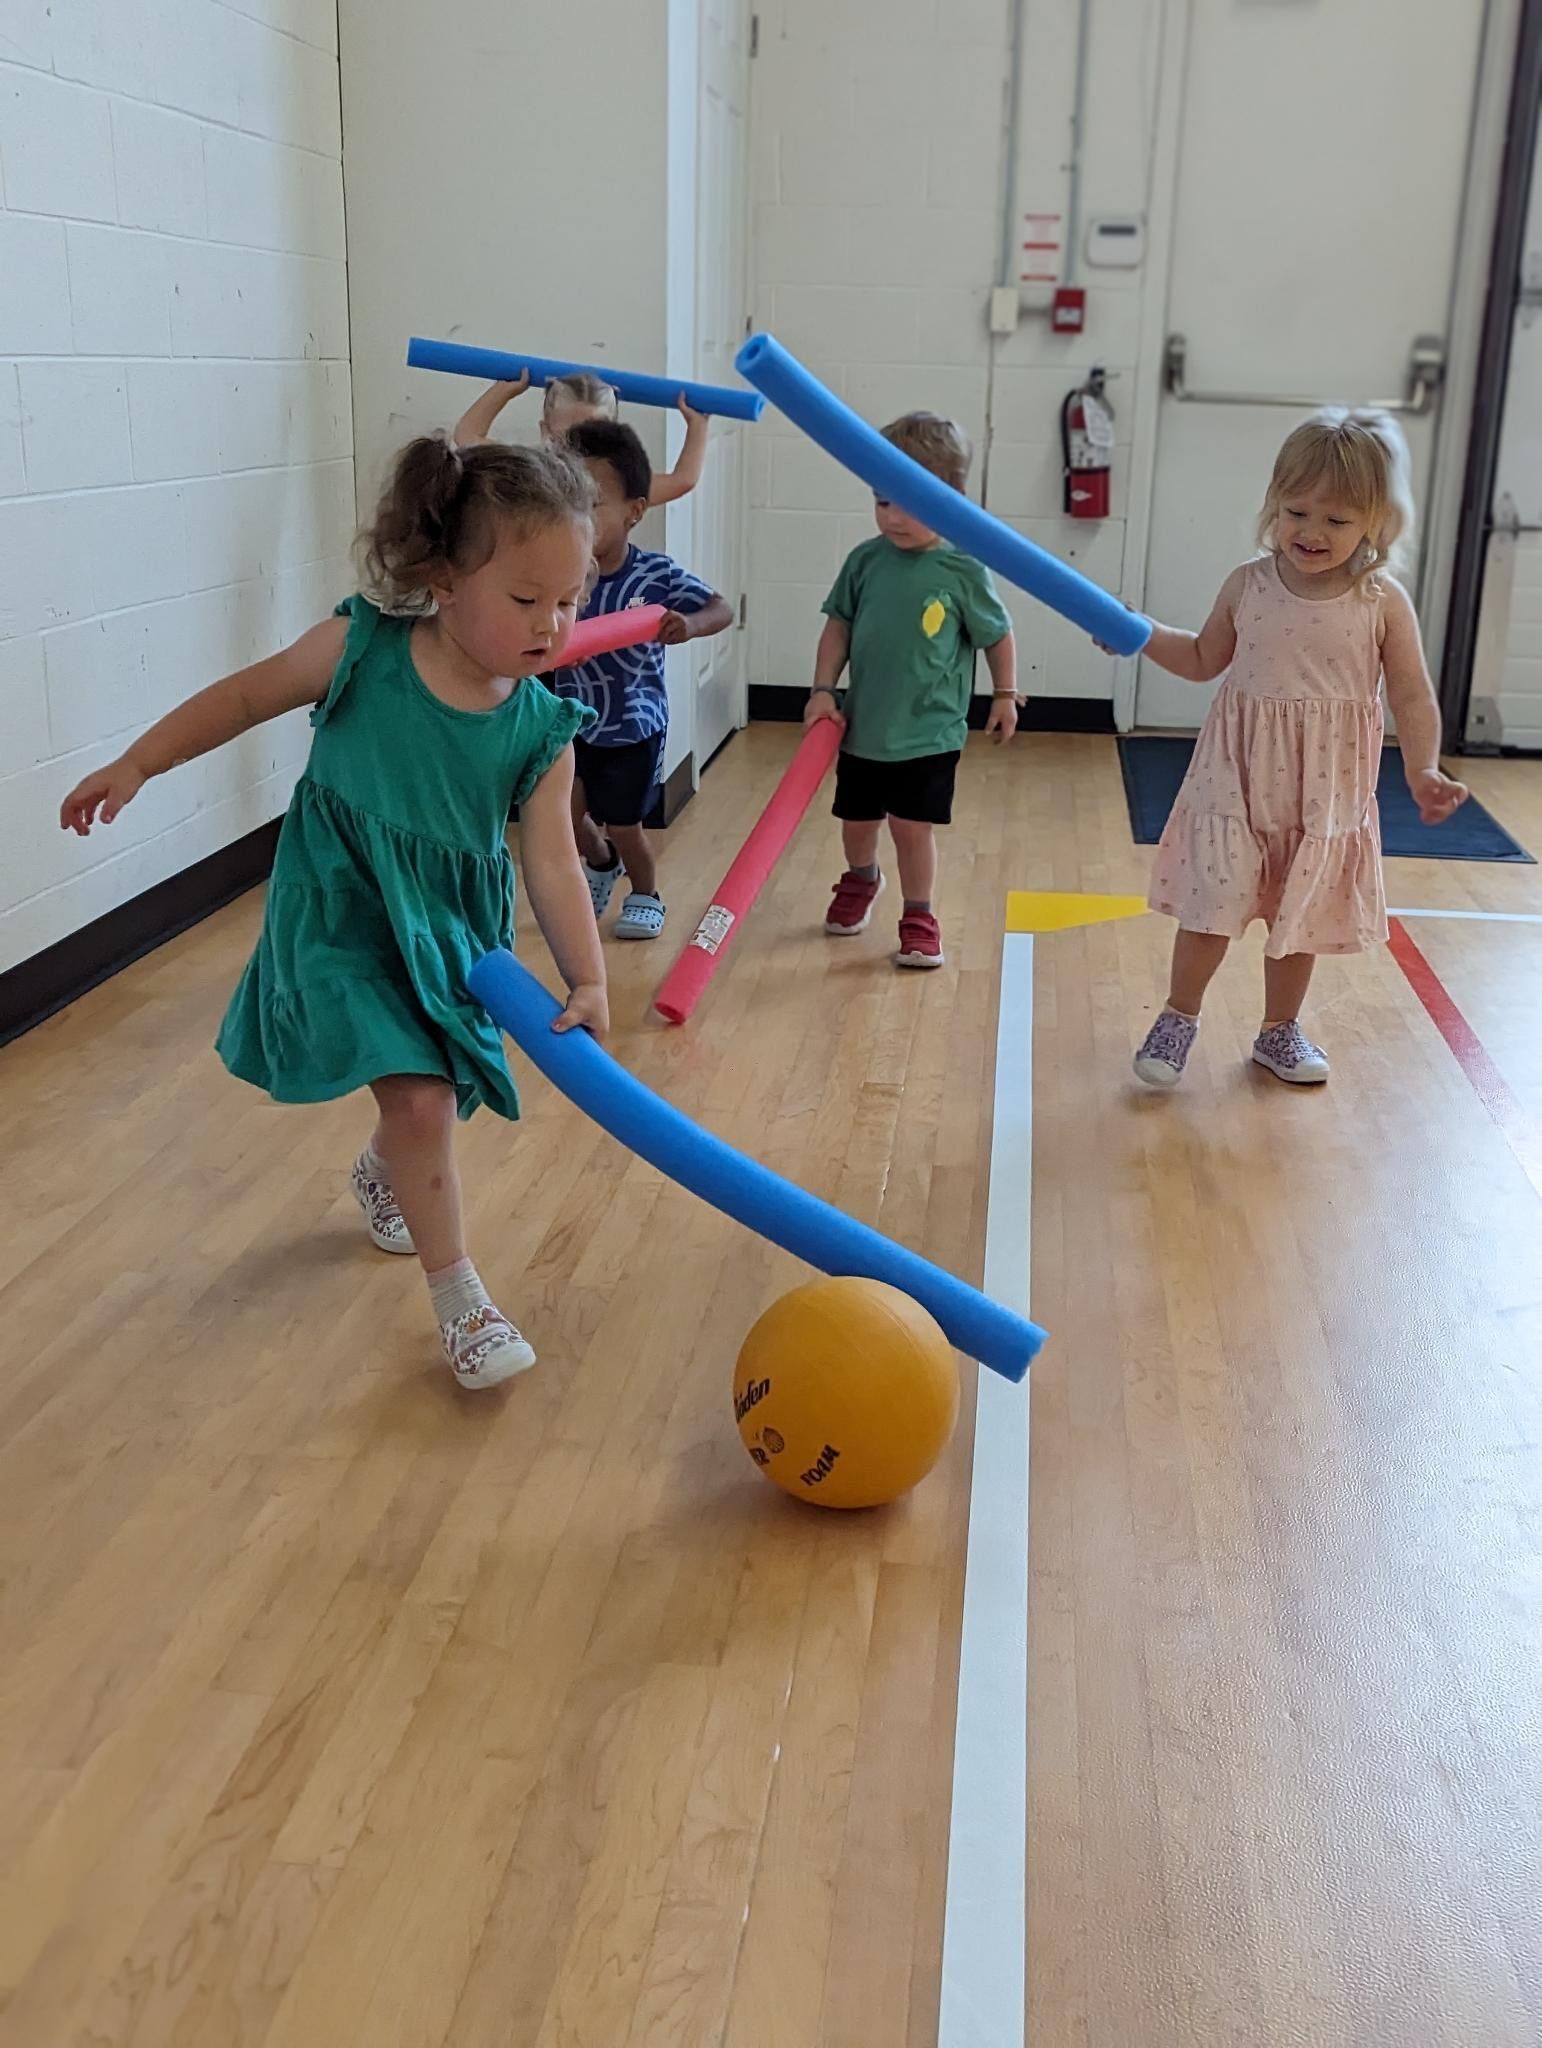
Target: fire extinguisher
(1087, 444)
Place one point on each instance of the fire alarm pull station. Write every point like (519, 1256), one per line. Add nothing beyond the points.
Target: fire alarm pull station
(1068, 314)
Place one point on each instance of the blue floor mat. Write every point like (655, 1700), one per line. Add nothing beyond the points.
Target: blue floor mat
(1154, 767)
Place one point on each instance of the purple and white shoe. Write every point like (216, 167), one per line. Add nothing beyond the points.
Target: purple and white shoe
(1290, 1055)
(1164, 1054)
(484, 1348)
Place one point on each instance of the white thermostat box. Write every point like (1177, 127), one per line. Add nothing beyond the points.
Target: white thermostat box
(1116, 241)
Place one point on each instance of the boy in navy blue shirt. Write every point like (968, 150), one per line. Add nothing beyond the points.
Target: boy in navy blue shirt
(618, 758)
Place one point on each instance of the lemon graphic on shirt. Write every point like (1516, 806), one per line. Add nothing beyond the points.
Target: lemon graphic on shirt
(933, 617)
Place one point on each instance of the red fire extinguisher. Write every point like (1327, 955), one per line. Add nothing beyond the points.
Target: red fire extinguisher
(1087, 444)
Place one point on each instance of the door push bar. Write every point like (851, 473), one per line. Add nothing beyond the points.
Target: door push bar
(1426, 369)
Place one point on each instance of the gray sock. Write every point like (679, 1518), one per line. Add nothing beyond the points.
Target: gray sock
(918, 909)
(867, 874)
(456, 1290)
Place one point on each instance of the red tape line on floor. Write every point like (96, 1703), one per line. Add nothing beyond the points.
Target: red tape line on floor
(1471, 1055)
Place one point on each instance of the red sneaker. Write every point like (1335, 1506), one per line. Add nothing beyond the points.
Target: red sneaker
(851, 907)
(920, 940)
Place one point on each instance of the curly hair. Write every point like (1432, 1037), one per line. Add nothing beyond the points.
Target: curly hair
(444, 506)
(613, 441)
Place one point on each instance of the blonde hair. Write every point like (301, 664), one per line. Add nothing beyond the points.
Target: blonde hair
(582, 388)
(938, 444)
(1360, 458)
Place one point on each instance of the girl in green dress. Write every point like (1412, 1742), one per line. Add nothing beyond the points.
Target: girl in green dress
(392, 876)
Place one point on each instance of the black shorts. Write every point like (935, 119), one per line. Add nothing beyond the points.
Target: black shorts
(921, 791)
(619, 781)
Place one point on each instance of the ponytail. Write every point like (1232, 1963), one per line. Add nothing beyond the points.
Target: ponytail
(444, 506)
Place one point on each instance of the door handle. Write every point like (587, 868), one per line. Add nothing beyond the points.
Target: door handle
(1426, 371)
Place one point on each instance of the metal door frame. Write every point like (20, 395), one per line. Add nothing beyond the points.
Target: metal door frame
(1476, 520)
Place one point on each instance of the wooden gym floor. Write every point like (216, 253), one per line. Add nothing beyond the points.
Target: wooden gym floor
(337, 1708)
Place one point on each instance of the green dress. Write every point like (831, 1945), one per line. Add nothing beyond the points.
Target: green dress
(390, 881)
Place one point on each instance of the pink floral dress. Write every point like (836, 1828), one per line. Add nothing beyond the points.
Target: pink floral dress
(1277, 816)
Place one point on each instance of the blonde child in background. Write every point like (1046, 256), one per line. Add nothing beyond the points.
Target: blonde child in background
(906, 614)
(1277, 815)
(571, 401)
(392, 876)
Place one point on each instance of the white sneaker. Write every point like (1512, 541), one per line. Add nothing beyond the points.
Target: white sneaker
(484, 1348)
(377, 1198)
(1290, 1055)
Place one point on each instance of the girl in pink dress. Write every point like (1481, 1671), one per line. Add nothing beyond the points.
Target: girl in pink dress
(1277, 815)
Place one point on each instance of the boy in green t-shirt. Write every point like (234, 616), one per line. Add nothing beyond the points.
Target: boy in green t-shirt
(907, 612)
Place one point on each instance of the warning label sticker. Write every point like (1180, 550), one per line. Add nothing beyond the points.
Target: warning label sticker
(715, 926)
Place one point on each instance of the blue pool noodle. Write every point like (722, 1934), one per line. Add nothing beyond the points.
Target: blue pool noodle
(493, 365)
(754, 1196)
(763, 362)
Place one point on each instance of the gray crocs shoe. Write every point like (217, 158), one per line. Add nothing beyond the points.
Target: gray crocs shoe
(642, 917)
(602, 883)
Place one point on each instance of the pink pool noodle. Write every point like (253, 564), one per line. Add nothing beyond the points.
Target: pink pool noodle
(608, 631)
(683, 985)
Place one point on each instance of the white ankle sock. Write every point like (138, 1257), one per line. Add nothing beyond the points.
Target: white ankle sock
(374, 1165)
(457, 1290)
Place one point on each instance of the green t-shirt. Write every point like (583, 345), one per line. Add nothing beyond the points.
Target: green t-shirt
(916, 617)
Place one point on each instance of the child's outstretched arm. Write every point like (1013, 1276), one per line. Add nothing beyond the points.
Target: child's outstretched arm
(1412, 697)
(830, 658)
(686, 474)
(1001, 660)
(1201, 657)
(297, 675)
(715, 616)
(476, 422)
(559, 896)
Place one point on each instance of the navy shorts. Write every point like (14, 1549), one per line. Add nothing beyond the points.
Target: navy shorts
(920, 791)
(619, 782)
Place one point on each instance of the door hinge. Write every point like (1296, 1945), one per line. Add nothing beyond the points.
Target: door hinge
(744, 610)
(754, 35)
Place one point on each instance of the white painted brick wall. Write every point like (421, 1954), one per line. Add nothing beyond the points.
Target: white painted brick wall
(176, 454)
(877, 222)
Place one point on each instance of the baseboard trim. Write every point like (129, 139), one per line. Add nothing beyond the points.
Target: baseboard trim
(777, 703)
(672, 796)
(51, 980)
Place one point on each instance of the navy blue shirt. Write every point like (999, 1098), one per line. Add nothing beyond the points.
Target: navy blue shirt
(626, 688)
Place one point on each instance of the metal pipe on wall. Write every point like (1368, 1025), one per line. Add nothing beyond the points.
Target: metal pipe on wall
(1014, 114)
(1073, 192)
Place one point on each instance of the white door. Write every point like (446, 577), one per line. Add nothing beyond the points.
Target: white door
(721, 269)
(1317, 204)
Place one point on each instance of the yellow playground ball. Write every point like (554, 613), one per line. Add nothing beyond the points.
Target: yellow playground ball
(846, 1393)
